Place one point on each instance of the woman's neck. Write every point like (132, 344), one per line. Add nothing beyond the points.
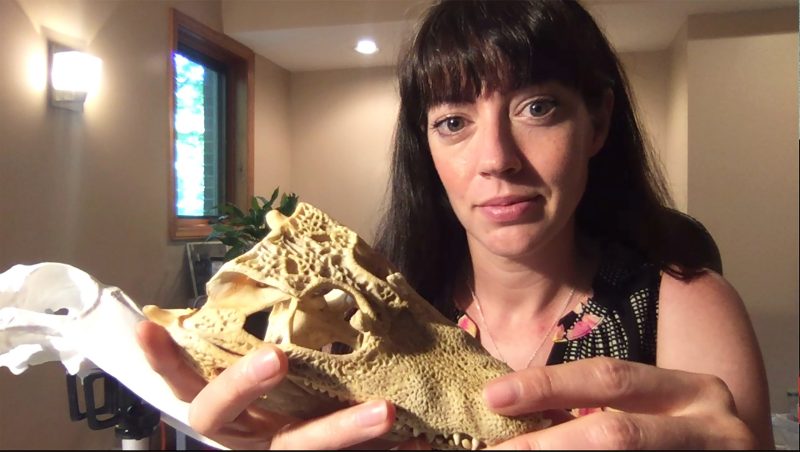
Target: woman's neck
(527, 285)
(518, 302)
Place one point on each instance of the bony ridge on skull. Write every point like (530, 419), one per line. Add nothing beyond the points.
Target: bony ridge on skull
(353, 330)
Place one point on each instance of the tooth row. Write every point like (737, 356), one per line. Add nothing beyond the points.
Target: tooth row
(457, 440)
(325, 391)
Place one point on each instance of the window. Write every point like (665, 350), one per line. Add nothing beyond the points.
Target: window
(199, 136)
(211, 126)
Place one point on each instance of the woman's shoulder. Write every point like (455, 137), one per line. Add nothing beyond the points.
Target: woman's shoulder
(706, 297)
(701, 320)
(705, 283)
(704, 327)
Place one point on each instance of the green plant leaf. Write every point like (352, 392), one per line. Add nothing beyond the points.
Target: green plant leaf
(251, 233)
(233, 253)
(219, 219)
(230, 241)
(288, 204)
(240, 230)
(253, 218)
(230, 210)
(220, 228)
(265, 203)
(274, 196)
(237, 221)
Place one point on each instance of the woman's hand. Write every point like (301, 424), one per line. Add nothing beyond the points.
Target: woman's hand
(651, 408)
(223, 409)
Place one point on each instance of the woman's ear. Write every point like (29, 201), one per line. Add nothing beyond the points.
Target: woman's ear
(601, 119)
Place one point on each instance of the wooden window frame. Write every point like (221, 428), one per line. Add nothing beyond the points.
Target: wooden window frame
(239, 61)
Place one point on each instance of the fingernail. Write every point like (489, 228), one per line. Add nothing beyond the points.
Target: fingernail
(264, 365)
(501, 393)
(372, 414)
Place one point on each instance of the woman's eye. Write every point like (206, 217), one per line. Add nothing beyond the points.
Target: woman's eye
(541, 107)
(449, 126)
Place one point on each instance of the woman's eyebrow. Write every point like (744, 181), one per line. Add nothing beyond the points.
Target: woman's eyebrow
(448, 105)
(548, 85)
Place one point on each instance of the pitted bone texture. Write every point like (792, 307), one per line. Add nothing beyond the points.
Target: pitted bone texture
(322, 285)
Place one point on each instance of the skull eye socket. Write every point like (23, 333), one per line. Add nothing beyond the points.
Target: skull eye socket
(256, 324)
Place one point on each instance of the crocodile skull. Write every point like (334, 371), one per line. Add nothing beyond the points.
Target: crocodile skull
(353, 330)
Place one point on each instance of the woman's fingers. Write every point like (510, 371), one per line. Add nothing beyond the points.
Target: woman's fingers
(164, 356)
(223, 408)
(604, 382)
(612, 430)
(660, 408)
(219, 409)
(226, 401)
(345, 428)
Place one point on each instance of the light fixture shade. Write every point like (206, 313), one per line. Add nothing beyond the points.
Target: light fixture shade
(73, 75)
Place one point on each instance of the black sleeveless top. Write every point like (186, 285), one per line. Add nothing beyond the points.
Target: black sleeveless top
(619, 320)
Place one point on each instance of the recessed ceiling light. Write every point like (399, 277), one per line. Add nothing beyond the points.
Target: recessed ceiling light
(366, 46)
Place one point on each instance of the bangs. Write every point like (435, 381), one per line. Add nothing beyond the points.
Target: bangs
(484, 49)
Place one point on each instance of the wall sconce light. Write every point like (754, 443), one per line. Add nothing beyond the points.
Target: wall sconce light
(73, 75)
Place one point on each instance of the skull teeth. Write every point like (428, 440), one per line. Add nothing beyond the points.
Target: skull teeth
(318, 388)
(454, 441)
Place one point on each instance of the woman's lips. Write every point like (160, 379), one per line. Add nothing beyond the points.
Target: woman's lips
(506, 210)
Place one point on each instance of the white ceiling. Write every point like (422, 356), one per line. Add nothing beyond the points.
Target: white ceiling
(307, 35)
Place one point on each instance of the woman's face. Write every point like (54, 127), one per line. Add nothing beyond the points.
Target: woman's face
(514, 164)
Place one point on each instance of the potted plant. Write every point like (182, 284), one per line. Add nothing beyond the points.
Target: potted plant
(240, 230)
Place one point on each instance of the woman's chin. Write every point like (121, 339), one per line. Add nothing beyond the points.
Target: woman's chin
(513, 244)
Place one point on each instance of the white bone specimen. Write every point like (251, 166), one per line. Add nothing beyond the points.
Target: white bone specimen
(55, 312)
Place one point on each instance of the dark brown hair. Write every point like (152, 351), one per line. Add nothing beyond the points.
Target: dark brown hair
(464, 47)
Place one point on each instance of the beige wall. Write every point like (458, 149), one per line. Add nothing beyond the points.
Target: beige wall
(676, 149)
(743, 168)
(342, 125)
(90, 189)
(649, 77)
(272, 159)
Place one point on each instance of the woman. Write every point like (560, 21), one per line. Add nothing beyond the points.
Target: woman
(523, 205)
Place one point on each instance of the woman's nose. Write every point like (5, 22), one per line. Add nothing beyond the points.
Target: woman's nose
(497, 150)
